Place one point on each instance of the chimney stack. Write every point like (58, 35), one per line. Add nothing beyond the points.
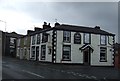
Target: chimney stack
(56, 24)
(37, 29)
(97, 27)
(45, 26)
(29, 31)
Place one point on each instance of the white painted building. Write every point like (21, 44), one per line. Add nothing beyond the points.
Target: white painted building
(73, 44)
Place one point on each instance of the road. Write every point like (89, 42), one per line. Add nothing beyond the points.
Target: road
(13, 68)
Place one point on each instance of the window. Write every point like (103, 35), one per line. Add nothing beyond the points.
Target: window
(44, 37)
(33, 40)
(87, 38)
(38, 38)
(77, 38)
(12, 41)
(66, 52)
(66, 36)
(43, 52)
(18, 42)
(33, 51)
(103, 39)
(110, 40)
(103, 54)
(25, 40)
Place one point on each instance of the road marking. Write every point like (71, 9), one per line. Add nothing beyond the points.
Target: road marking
(33, 74)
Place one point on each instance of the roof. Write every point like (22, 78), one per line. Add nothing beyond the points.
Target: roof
(82, 29)
(77, 29)
(86, 46)
(44, 30)
(13, 34)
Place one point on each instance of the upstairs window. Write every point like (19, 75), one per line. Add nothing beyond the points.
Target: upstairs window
(66, 36)
(38, 38)
(33, 40)
(18, 42)
(103, 54)
(25, 40)
(110, 40)
(103, 40)
(87, 38)
(77, 38)
(44, 37)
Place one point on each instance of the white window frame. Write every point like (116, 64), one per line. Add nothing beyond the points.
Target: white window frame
(43, 52)
(38, 37)
(103, 50)
(67, 36)
(103, 39)
(66, 57)
(87, 38)
(32, 55)
(25, 40)
(33, 39)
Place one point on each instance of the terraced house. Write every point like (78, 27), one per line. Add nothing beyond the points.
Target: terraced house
(73, 44)
(23, 46)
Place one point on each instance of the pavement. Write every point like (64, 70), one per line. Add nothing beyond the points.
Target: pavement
(13, 68)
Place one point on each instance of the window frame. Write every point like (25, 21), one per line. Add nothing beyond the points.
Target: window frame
(105, 56)
(101, 40)
(42, 52)
(25, 41)
(63, 53)
(77, 33)
(65, 36)
(85, 38)
(18, 42)
(44, 35)
(33, 39)
(38, 37)
(32, 55)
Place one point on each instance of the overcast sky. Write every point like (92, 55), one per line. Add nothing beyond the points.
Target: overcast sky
(21, 16)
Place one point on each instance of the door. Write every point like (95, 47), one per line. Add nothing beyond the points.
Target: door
(86, 57)
(37, 53)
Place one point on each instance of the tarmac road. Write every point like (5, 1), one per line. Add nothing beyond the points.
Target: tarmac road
(13, 68)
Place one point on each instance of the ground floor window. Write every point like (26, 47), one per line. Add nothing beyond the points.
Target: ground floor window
(43, 52)
(66, 52)
(33, 52)
(103, 54)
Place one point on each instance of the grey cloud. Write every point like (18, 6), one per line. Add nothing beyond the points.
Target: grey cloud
(104, 14)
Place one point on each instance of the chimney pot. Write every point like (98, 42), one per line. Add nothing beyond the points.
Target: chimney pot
(97, 27)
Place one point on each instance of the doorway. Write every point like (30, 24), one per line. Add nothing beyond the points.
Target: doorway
(37, 53)
(86, 56)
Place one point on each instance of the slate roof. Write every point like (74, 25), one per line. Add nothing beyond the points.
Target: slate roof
(82, 29)
(77, 29)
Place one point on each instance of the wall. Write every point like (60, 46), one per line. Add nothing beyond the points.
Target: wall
(48, 57)
(77, 55)
(95, 56)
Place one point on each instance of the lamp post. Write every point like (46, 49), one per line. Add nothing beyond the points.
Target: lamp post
(4, 35)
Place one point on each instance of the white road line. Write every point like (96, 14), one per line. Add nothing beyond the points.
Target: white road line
(33, 73)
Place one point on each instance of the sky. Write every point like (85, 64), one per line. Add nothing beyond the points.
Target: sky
(22, 15)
